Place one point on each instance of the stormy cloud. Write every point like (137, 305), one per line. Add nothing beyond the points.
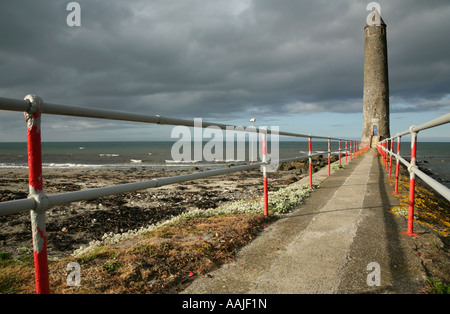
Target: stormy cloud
(219, 59)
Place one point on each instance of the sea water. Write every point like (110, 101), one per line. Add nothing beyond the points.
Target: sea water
(435, 156)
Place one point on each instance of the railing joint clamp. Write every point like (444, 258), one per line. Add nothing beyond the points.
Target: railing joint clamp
(41, 201)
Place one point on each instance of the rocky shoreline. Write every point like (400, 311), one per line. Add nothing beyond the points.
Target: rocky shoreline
(76, 224)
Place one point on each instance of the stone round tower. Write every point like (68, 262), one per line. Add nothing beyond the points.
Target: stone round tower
(376, 82)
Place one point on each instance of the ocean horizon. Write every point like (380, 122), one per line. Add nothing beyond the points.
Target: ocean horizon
(156, 155)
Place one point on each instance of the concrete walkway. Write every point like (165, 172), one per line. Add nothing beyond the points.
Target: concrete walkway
(326, 244)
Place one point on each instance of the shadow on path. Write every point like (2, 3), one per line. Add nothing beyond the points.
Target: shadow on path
(380, 239)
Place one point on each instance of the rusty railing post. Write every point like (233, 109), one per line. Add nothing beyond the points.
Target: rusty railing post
(412, 184)
(329, 156)
(339, 152)
(37, 215)
(390, 159)
(310, 162)
(264, 160)
(346, 151)
(397, 166)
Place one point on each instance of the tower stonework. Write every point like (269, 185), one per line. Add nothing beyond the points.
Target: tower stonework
(376, 82)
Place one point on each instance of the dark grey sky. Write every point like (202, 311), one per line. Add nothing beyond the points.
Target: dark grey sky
(288, 63)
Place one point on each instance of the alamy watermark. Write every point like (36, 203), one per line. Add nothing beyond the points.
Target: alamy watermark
(220, 147)
(74, 277)
(74, 17)
(372, 18)
(374, 277)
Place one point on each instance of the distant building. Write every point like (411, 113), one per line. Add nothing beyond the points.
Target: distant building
(376, 81)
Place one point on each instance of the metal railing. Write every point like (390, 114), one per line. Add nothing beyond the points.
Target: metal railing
(385, 147)
(38, 202)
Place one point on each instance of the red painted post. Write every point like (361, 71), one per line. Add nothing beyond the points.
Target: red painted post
(329, 157)
(397, 167)
(412, 185)
(345, 151)
(351, 150)
(386, 155)
(310, 163)
(390, 159)
(264, 159)
(33, 119)
(339, 152)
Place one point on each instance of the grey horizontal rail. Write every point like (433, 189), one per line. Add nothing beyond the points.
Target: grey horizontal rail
(305, 156)
(87, 112)
(437, 186)
(16, 206)
(63, 198)
(427, 125)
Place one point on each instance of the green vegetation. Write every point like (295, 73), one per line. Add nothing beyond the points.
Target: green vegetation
(111, 267)
(438, 287)
(9, 283)
(12, 274)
